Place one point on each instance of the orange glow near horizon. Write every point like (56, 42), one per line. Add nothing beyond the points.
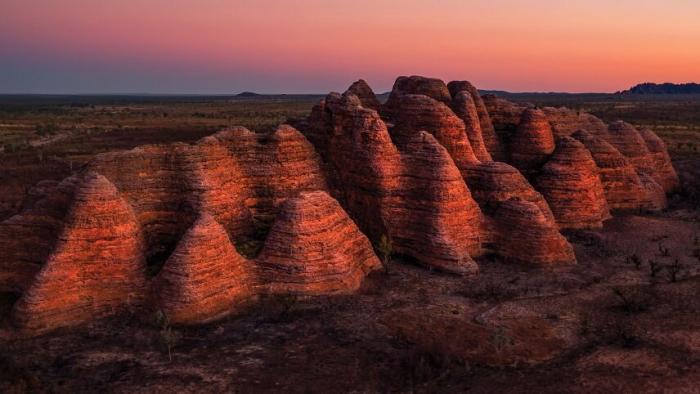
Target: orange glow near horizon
(220, 46)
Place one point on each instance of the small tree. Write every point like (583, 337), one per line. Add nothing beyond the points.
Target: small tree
(168, 337)
(385, 248)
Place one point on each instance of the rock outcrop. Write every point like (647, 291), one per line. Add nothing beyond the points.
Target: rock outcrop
(532, 143)
(623, 188)
(239, 214)
(367, 97)
(97, 267)
(204, 278)
(431, 87)
(525, 234)
(493, 142)
(571, 185)
(664, 173)
(494, 183)
(411, 192)
(565, 121)
(464, 107)
(418, 113)
(315, 248)
(28, 238)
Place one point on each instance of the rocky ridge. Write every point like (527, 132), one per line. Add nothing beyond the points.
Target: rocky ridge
(196, 231)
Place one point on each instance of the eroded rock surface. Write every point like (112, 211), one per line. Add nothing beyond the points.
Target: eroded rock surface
(97, 267)
(571, 185)
(239, 214)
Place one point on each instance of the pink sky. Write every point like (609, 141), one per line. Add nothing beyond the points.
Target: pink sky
(219, 46)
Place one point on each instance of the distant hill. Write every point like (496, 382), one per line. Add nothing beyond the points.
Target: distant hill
(664, 88)
(248, 95)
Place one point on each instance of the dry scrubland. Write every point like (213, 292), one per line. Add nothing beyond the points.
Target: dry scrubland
(625, 316)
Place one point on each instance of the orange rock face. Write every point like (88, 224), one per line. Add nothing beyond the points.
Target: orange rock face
(623, 188)
(423, 175)
(493, 143)
(97, 267)
(464, 107)
(571, 185)
(629, 142)
(664, 173)
(413, 193)
(28, 238)
(525, 234)
(418, 113)
(431, 87)
(315, 248)
(565, 121)
(204, 278)
(367, 97)
(532, 143)
(494, 183)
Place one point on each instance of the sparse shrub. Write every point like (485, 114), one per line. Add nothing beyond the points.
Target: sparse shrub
(46, 129)
(673, 270)
(248, 249)
(696, 253)
(287, 301)
(385, 249)
(635, 260)
(654, 268)
(630, 301)
(624, 337)
(501, 339)
(585, 324)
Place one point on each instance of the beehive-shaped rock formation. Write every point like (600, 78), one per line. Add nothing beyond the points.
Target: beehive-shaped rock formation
(28, 238)
(366, 95)
(204, 278)
(431, 87)
(623, 188)
(97, 267)
(315, 248)
(565, 121)
(492, 141)
(571, 185)
(664, 173)
(464, 107)
(532, 143)
(412, 193)
(630, 143)
(525, 234)
(417, 170)
(494, 183)
(418, 113)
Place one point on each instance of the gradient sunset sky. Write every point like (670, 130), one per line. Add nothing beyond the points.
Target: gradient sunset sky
(315, 46)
